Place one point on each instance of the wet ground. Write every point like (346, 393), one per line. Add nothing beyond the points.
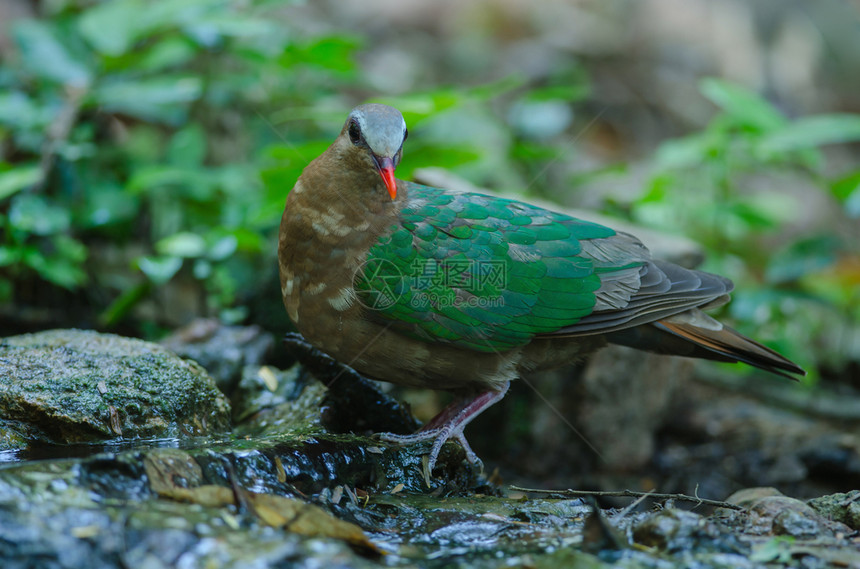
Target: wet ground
(299, 482)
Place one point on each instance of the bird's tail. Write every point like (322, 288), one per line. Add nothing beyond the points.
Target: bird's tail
(695, 334)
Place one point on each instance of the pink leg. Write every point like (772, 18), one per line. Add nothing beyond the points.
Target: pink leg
(449, 424)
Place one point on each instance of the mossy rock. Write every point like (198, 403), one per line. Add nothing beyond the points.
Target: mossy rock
(75, 386)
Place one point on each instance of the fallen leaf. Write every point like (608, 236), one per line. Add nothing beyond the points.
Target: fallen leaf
(169, 468)
(269, 378)
(277, 511)
(83, 532)
(337, 495)
(115, 423)
(279, 469)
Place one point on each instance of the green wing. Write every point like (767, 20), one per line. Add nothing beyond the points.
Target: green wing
(487, 273)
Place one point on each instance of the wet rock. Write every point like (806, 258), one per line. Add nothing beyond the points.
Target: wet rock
(776, 514)
(748, 497)
(675, 530)
(272, 401)
(620, 412)
(844, 508)
(771, 513)
(188, 510)
(74, 386)
(320, 441)
(54, 515)
(300, 484)
(723, 436)
(222, 350)
(795, 524)
(314, 498)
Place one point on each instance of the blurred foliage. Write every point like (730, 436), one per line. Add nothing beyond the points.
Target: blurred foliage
(173, 130)
(728, 187)
(129, 121)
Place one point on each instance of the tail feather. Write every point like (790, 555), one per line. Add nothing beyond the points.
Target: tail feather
(695, 334)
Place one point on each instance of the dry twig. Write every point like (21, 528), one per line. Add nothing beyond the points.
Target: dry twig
(632, 494)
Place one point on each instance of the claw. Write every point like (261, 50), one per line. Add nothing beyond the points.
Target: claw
(449, 424)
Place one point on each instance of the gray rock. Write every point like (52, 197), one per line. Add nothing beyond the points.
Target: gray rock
(75, 386)
(844, 508)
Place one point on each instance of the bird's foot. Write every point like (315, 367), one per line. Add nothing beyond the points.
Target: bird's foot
(439, 437)
(450, 424)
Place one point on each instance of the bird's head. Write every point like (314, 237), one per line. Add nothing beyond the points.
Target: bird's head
(375, 135)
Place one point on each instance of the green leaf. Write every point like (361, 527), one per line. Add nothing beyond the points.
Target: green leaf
(249, 241)
(685, 152)
(568, 93)
(63, 266)
(183, 244)
(419, 106)
(159, 270)
(232, 25)
(45, 56)
(188, 146)
(223, 248)
(658, 188)
(191, 182)
(123, 304)
(802, 258)
(201, 269)
(778, 207)
(112, 27)
(149, 177)
(169, 52)
(437, 156)
(852, 204)
(751, 216)
(163, 99)
(776, 550)
(34, 214)
(334, 53)
(9, 255)
(6, 290)
(844, 187)
(742, 104)
(812, 132)
(847, 191)
(17, 179)
(233, 316)
(108, 204)
(20, 111)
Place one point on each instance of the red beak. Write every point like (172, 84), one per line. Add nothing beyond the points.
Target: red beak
(386, 170)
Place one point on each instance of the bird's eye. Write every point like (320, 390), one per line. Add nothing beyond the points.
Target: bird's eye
(354, 132)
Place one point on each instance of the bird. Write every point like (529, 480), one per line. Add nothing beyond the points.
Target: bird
(465, 292)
